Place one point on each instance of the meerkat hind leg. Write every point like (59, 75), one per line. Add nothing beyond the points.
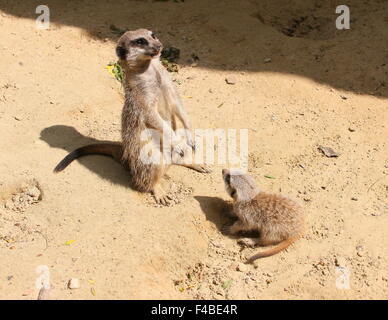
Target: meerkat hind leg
(235, 228)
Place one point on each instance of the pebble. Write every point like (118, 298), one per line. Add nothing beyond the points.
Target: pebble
(73, 283)
(360, 251)
(267, 60)
(231, 80)
(242, 267)
(328, 152)
(9, 204)
(351, 129)
(33, 192)
(340, 261)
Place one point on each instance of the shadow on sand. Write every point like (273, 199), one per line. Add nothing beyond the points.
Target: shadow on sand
(69, 139)
(295, 37)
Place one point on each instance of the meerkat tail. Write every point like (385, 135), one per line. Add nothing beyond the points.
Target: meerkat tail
(281, 246)
(106, 149)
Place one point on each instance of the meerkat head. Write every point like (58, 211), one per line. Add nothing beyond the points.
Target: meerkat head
(138, 45)
(240, 186)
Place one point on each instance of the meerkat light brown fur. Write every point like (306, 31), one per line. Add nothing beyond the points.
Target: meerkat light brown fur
(151, 102)
(278, 219)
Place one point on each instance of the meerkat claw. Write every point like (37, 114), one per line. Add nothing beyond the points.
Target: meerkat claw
(192, 144)
(161, 197)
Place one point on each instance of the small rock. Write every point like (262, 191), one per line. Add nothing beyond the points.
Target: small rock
(328, 152)
(17, 118)
(242, 267)
(44, 293)
(217, 244)
(9, 205)
(231, 80)
(27, 292)
(267, 60)
(73, 283)
(33, 192)
(360, 251)
(351, 129)
(354, 199)
(343, 97)
(234, 266)
(340, 262)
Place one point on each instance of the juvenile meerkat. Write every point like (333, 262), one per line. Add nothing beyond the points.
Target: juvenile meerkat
(151, 102)
(278, 219)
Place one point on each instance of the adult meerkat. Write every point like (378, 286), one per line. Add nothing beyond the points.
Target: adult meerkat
(151, 102)
(278, 219)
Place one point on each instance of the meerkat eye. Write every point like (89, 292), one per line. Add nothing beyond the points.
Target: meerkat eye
(141, 41)
(153, 35)
(233, 193)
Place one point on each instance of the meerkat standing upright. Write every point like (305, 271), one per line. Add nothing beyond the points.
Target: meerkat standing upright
(279, 220)
(151, 102)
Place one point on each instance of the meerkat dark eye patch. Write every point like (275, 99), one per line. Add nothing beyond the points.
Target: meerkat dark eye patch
(141, 41)
(121, 52)
(153, 35)
(227, 178)
(233, 193)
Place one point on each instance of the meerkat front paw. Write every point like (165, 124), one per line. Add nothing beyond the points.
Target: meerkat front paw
(226, 229)
(203, 168)
(191, 143)
(178, 149)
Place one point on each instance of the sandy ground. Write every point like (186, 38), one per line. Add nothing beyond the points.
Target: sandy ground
(321, 86)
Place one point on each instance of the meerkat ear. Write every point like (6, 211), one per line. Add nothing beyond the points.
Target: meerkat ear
(121, 52)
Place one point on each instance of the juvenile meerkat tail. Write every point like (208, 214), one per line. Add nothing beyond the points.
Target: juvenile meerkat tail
(281, 246)
(106, 149)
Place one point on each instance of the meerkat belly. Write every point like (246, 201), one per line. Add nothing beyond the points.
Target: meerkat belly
(164, 108)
